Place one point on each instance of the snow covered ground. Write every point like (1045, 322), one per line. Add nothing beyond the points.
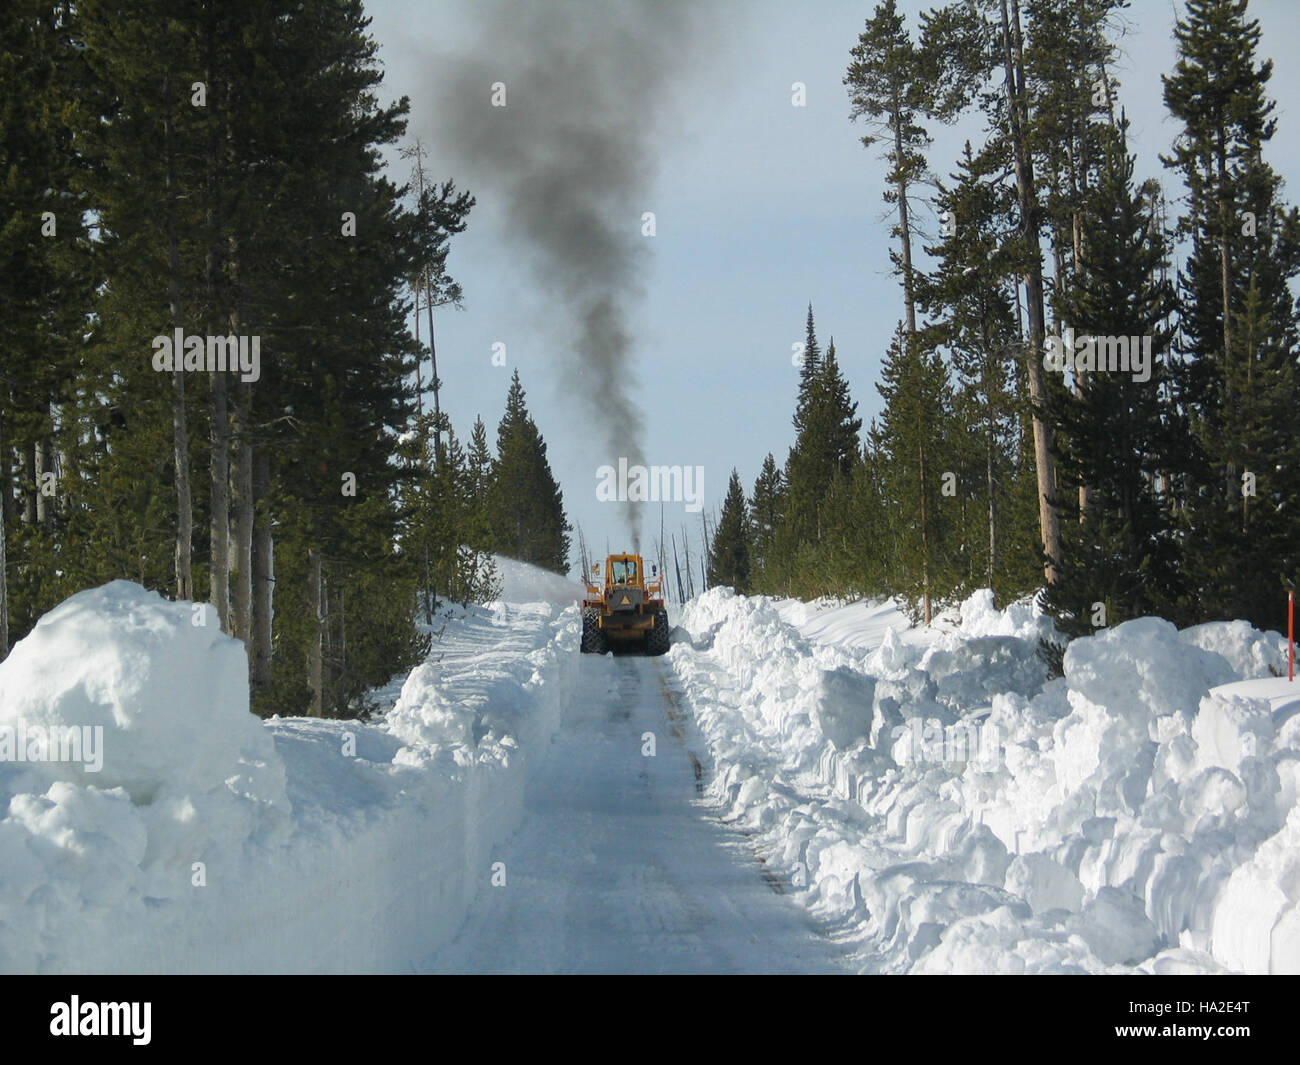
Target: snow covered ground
(941, 802)
(621, 865)
(794, 787)
(210, 841)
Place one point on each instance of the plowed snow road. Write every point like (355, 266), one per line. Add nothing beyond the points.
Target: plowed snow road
(619, 867)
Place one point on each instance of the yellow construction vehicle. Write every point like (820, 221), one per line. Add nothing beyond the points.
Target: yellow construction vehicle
(628, 611)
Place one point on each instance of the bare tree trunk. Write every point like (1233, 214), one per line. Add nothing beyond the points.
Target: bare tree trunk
(4, 568)
(180, 431)
(30, 491)
(314, 643)
(327, 643)
(686, 550)
(909, 309)
(1018, 113)
(44, 464)
(219, 426)
(219, 504)
(180, 457)
(1077, 194)
(419, 387)
(1225, 260)
(926, 608)
(428, 307)
(261, 570)
(8, 508)
(242, 564)
(433, 369)
(993, 517)
(904, 231)
(708, 551)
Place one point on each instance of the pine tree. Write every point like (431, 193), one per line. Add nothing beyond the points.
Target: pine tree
(825, 444)
(889, 85)
(1120, 551)
(970, 297)
(729, 553)
(203, 196)
(525, 504)
(978, 50)
(149, 172)
(868, 553)
(842, 424)
(1238, 346)
(168, 123)
(808, 372)
(914, 385)
(46, 278)
(479, 462)
(1068, 66)
(767, 513)
(442, 212)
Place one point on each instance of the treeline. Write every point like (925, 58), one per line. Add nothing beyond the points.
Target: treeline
(205, 385)
(1062, 406)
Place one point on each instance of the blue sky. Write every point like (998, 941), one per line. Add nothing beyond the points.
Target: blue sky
(761, 208)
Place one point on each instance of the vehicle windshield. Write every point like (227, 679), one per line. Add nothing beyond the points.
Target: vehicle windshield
(623, 572)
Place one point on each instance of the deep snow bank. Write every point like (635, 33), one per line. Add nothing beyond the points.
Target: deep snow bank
(965, 813)
(210, 841)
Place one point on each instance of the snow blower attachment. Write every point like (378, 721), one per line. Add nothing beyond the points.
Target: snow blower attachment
(627, 612)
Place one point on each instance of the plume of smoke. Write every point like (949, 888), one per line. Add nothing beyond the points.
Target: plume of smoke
(571, 158)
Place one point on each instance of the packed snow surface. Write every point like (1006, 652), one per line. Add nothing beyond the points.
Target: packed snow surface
(620, 865)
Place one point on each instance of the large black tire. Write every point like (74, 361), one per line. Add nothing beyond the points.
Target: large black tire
(657, 642)
(594, 640)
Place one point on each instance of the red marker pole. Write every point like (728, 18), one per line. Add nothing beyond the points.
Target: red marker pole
(1290, 636)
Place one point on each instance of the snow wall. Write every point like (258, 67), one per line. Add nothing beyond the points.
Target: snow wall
(963, 813)
(207, 840)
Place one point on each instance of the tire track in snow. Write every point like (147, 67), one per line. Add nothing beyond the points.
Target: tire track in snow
(621, 865)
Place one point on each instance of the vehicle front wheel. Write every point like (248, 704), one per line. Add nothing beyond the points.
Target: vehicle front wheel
(657, 641)
(594, 639)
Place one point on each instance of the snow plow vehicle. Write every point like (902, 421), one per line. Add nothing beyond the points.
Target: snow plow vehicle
(627, 612)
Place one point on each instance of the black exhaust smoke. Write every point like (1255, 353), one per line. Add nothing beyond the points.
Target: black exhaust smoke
(570, 157)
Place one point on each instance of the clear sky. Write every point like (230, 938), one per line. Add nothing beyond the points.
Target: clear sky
(761, 208)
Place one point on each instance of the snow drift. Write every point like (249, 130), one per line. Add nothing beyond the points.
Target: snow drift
(936, 792)
(210, 841)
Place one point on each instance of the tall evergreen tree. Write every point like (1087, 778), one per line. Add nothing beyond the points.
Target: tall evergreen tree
(479, 462)
(808, 369)
(889, 83)
(914, 385)
(969, 296)
(729, 553)
(867, 532)
(210, 222)
(824, 447)
(46, 278)
(1118, 434)
(525, 504)
(1238, 346)
(767, 512)
(979, 51)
